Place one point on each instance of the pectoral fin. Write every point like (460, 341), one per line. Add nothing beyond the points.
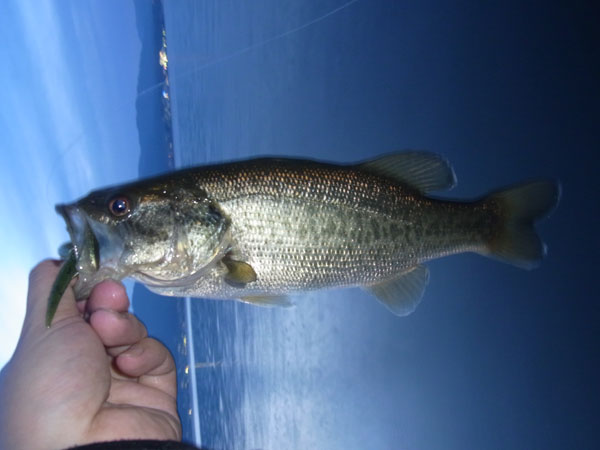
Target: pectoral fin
(266, 300)
(239, 273)
(402, 295)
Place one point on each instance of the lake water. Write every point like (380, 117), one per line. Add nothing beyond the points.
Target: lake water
(346, 82)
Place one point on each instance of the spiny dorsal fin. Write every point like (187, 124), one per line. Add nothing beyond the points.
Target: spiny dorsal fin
(402, 295)
(424, 171)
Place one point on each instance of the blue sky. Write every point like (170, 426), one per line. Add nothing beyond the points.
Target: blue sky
(67, 118)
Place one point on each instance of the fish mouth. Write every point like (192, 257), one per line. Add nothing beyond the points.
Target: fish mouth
(84, 243)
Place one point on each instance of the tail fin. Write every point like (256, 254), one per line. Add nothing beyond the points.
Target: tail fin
(521, 206)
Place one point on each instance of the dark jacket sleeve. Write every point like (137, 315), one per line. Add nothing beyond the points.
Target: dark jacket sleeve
(137, 445)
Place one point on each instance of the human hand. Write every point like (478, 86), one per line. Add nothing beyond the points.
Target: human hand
(80, 382)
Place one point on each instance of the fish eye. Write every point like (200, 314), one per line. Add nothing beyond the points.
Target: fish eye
(119, 206)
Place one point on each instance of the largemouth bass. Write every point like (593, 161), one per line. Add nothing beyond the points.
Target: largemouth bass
(260, 229)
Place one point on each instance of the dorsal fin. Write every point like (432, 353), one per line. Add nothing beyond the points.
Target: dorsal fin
(423, 171)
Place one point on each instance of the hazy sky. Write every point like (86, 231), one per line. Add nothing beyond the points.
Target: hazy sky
(67, 121)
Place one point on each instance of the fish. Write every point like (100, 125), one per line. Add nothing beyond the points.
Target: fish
(263, 229)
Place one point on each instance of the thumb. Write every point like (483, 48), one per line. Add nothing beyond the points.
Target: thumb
(41, 280)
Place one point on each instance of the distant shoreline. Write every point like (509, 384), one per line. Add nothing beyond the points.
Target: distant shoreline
(153, 106)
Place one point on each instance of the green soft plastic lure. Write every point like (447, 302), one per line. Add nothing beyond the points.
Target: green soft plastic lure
(67, 272)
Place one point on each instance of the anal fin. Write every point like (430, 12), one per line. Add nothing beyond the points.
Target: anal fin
(268, 300)
(402, 295)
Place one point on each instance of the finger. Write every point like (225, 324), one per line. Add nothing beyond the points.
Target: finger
(108, 294)
(151, 362)
(81, 305)
(147, 403)
(117, 329)
(41, 280)
(147, 357)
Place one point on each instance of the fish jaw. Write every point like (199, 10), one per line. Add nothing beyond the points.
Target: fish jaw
(96, 251)
(76, 225)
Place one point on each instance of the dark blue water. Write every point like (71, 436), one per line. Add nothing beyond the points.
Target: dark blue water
(494, 357)
(166, 320)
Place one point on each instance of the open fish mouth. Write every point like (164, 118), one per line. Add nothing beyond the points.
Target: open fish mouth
(83, 241)
(79, 255)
